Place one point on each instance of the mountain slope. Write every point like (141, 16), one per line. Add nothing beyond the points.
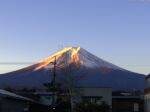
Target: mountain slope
(90, 71)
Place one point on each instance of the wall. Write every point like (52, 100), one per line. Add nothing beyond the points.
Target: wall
(12, 105)
(147, 103)
(106, 93)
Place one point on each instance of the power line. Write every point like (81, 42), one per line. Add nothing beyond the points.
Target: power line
(30, 63)
(17, 63)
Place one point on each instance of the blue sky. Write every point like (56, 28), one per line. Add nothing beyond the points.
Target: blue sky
(115, 30)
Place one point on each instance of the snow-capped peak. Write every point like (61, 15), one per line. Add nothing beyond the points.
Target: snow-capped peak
(78, 56)
(62, 55)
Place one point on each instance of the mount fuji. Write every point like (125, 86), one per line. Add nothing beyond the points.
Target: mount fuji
(90, 70)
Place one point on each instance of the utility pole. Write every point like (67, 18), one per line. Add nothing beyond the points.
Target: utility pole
(54, 84)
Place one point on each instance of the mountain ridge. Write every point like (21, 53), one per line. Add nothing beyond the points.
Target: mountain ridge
(97, 72)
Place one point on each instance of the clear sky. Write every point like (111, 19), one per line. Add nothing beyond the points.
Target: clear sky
(115, 30)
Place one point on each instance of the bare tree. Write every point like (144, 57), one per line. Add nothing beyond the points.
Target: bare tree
(69, 80)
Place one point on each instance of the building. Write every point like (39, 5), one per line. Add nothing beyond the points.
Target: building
(10, 102)
(96, 95)
(127, 102)
(91, 94)
(147, 95)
